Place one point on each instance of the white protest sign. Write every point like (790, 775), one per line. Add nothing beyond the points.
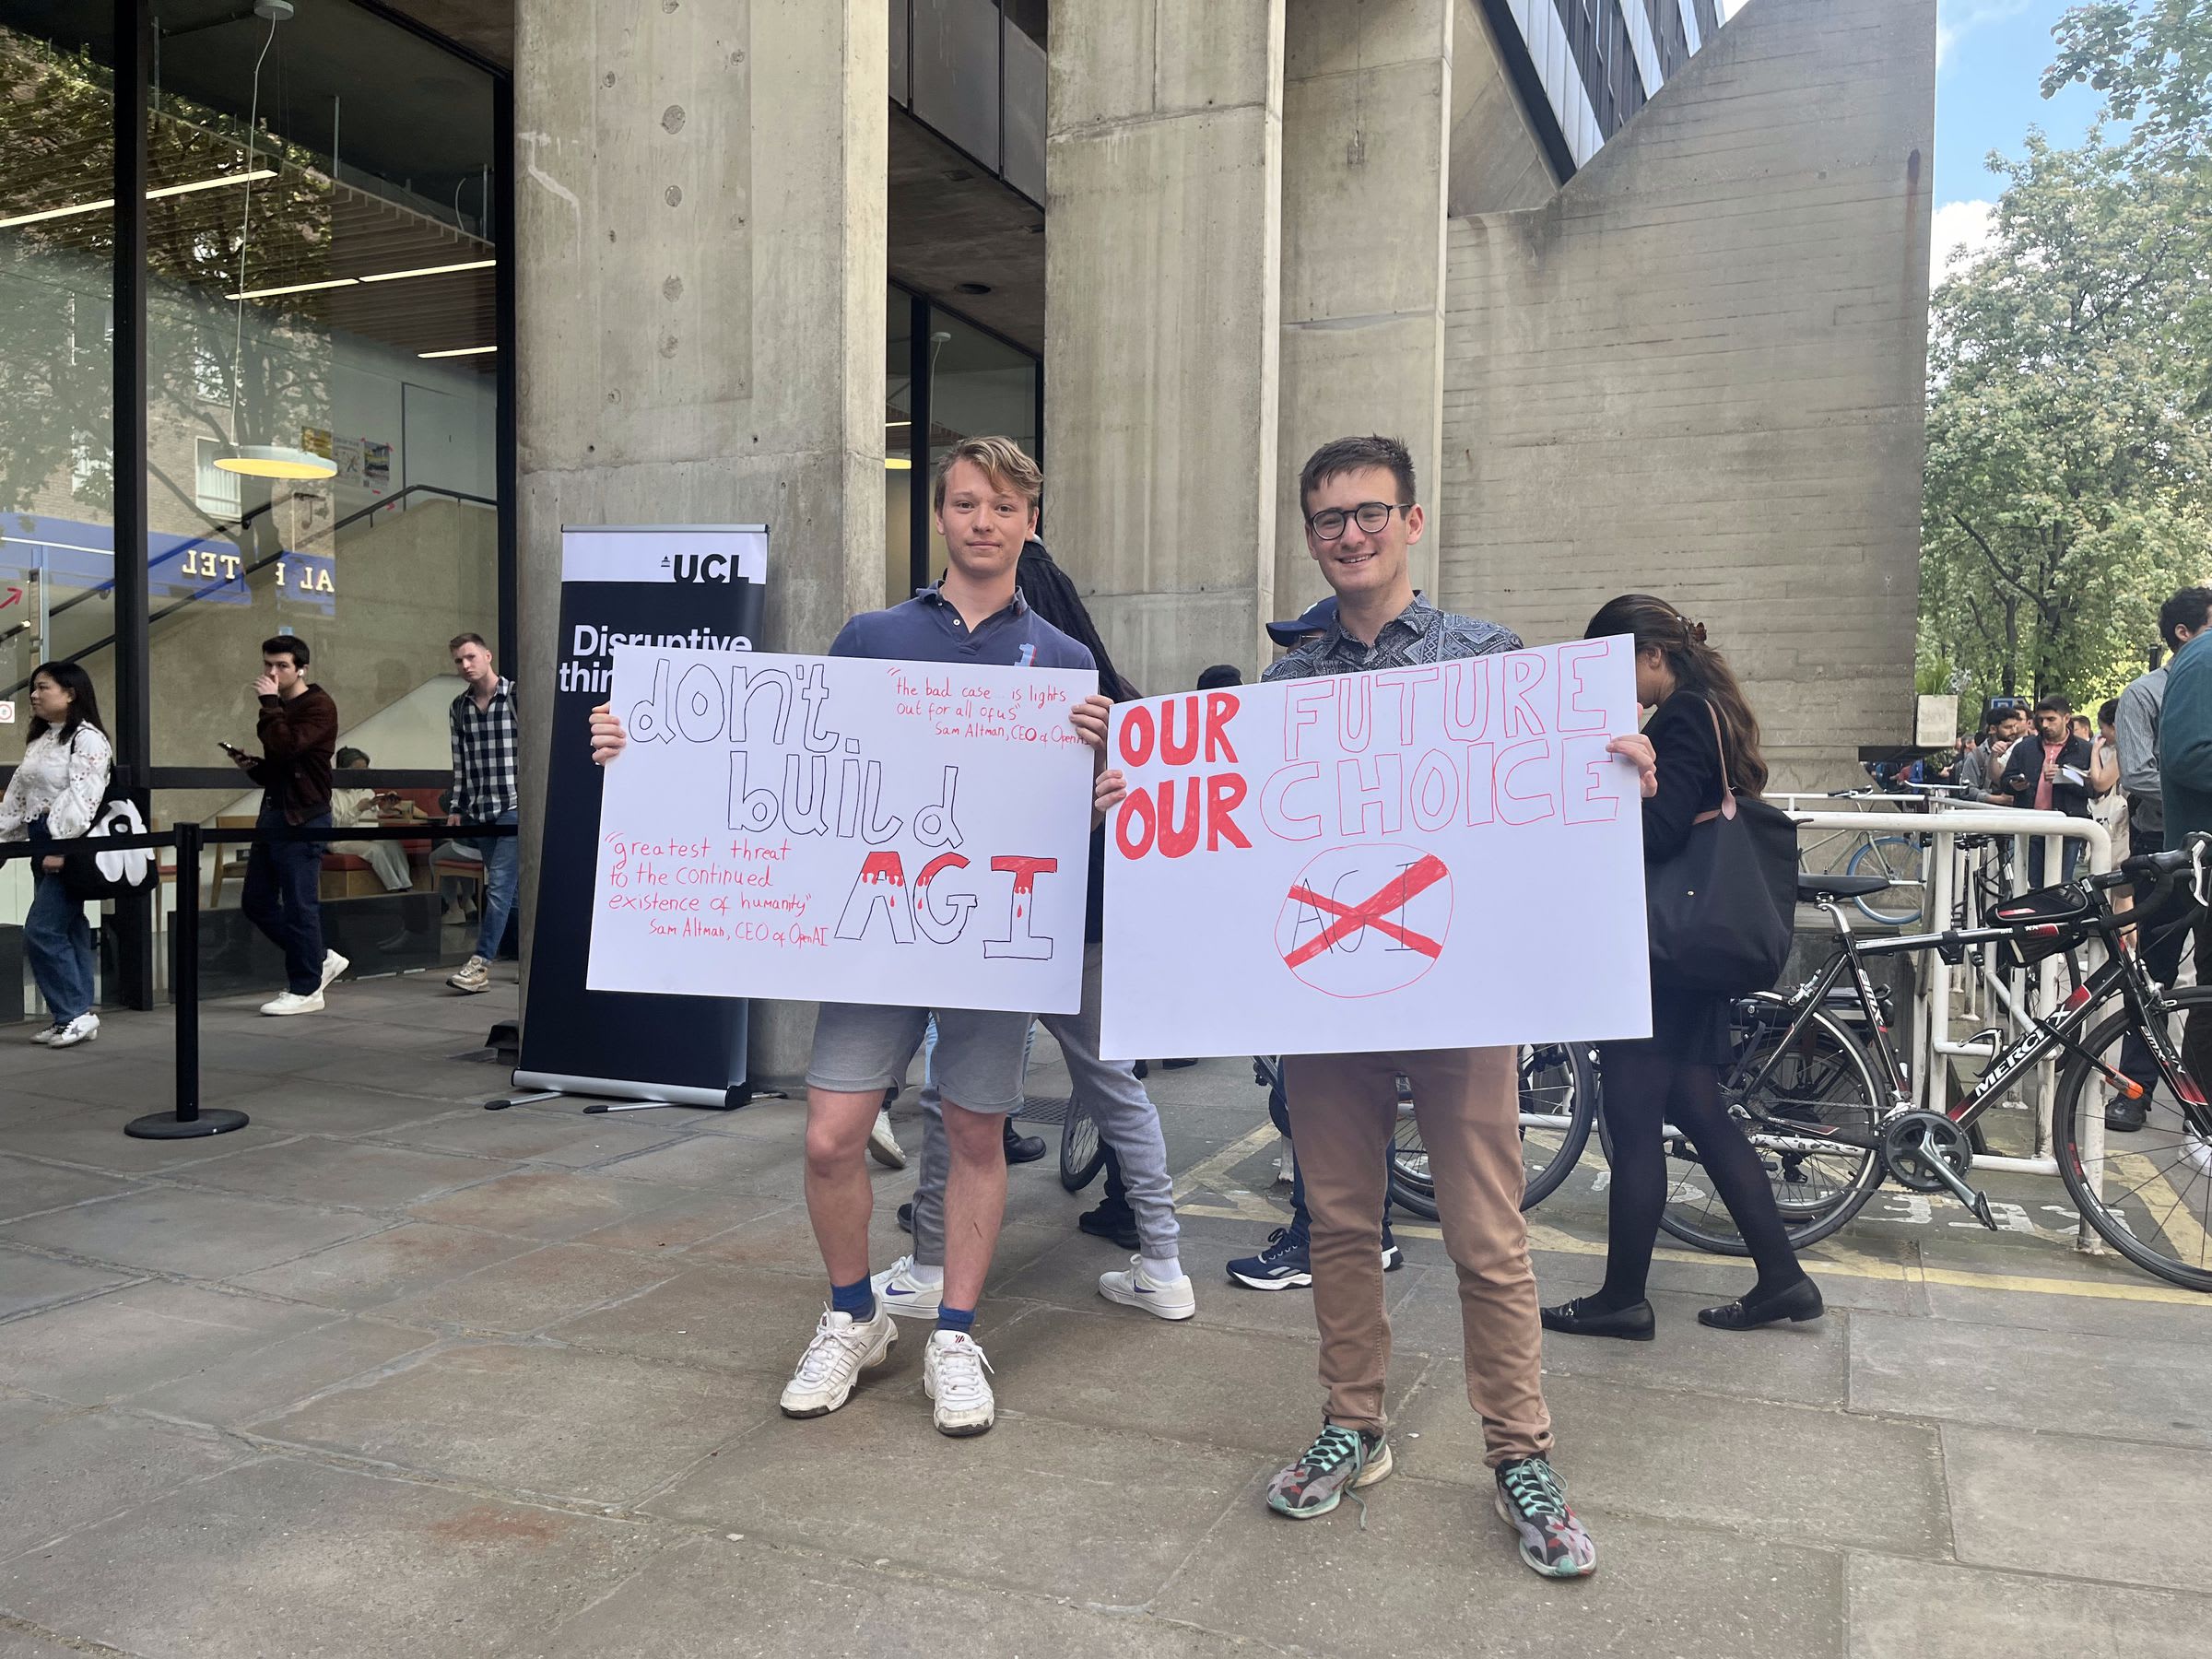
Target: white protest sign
(844, 829)
(1426, 857)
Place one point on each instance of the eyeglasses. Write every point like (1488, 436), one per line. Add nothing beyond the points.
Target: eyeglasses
(1370, 516)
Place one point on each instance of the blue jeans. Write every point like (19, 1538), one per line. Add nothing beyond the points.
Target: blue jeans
(283, 897)
(502, 874)
(58, 941)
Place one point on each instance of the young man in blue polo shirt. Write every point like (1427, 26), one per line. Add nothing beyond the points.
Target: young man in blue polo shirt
(986, 495)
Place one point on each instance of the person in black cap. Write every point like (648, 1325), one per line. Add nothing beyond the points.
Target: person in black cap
(1317, 617)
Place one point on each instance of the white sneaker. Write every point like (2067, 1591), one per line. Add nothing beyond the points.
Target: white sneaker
(83, 1029)
(903, 1292)
(841, 1349)
(471, 976)
(952, 1375)
(883, 1146)
(1169, 1298)
(333, 965)
(292, 1002)
(48, 1033)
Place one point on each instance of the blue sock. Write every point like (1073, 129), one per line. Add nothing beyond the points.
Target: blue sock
(856, 1298)
(950, 1318)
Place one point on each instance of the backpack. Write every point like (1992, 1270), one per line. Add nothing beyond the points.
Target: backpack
(89, 873)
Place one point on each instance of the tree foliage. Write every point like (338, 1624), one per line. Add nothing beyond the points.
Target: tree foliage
(2070, 470)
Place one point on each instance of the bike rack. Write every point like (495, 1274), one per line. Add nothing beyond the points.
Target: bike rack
(1933, 1047)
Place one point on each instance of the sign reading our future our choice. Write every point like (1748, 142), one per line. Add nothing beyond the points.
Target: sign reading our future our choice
(1423, 857)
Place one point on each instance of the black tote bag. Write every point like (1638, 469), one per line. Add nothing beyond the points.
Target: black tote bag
(1723, 909)
(91, 872)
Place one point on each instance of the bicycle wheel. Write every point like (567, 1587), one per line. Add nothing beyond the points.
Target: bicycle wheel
(1082, 1153)
(1412, 1187)
(1900, 860)
(1559, 1100)
(2151, 1191)
(1823, 1083)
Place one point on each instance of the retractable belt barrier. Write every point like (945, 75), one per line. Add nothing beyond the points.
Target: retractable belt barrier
(188, 1121)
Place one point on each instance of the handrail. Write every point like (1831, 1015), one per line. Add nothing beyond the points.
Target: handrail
(260, 564)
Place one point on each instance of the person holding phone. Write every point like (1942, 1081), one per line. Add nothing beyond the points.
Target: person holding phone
(299, 731)
(2049, 771)
(54, 796)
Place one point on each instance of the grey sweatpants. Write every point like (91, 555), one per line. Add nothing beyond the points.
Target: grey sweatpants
(1117, 1103)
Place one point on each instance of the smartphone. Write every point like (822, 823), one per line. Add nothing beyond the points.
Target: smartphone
(230, 749)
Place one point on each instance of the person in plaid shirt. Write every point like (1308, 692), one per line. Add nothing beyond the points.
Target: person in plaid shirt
(484, 750)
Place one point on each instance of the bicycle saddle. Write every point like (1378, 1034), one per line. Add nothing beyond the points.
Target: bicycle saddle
(1815, 889)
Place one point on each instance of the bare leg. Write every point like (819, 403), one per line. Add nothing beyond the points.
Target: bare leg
(975, 1200)
(839, 1198)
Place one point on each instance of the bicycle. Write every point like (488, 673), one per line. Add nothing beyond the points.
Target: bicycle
(1832, 1116)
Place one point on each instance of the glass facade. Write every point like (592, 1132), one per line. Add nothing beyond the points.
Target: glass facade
(324, 449)
(973, 71)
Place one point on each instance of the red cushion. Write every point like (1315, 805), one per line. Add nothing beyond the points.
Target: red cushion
(343, 861)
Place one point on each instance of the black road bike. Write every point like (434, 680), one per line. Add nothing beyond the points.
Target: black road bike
(1831, 1113)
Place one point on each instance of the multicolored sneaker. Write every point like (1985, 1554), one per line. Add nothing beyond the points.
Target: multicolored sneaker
(1533, 1500)
(1340, 1460)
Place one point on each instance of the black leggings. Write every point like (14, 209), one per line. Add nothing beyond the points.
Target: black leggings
(1643, 1091)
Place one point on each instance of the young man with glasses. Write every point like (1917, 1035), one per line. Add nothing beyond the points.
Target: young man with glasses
(986, 495)
(1361, 515)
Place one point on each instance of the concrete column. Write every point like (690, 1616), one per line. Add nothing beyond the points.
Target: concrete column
(1163, 179)
(700, 226)
(1367, 118)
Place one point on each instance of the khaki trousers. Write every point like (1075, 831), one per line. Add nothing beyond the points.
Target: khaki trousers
(1344, 1111)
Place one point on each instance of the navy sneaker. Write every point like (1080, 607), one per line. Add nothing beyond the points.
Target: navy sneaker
(1286, 1264)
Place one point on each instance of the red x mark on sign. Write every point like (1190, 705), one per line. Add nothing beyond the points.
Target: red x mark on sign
(1373, 912)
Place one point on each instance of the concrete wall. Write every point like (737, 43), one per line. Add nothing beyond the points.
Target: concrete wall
(1699, 372)
(1366, 102)
(1496, 162)
(700, 230)
(1164, 176)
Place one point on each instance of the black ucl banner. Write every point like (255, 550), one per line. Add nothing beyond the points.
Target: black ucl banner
(700, 586)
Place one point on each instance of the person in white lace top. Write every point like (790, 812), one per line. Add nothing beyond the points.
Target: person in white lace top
(54, 795)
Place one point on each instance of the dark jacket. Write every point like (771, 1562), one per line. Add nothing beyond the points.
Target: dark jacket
(1688, 1023)
(2024, 771)
(2185, 741)
(298, 739)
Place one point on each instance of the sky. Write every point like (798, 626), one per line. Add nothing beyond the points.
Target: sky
(1990, 58)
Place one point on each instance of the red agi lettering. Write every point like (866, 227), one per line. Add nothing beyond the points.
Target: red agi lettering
(1186, 728)
(937, 907)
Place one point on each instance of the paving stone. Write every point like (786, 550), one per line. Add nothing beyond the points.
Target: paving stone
(1120, 1368)
(2058, 1504)
(725, 1318)
(2189, 1320)
(1804, 1364)
(205, 1234)
(1038, 1504)
(29, 1281)
(533, 1290)
(547, 1203)
(130, 1340)
(92, 1137)
(401, 1260)
(365, 1176)
(323, 1108)
(728, 1163)
(785, 1242)
(284, 1373)
(569, 1140)
(130, 1086)
(81, 1467)
(1930, 1610)
(29, 1187)
(692, 1220)
(285, 1557)
(710, 1598)
(2127, 1387)
(1661, 1588)
(557, 1422)
(22, 1644)
(1820, 1477)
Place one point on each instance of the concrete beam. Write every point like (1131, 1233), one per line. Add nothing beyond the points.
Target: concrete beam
(1163, 175)
(700, 223)
(1367, 103)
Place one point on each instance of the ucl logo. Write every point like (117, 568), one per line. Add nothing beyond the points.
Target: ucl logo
(700, 567)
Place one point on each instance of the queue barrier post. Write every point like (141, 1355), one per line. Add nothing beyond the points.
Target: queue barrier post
(187, 1122)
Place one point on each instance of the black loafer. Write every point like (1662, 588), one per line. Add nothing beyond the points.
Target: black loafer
(2125, 1117)
(1023, 1148)
(1116, 1221)
(1634, 1322)
(1799, 1303)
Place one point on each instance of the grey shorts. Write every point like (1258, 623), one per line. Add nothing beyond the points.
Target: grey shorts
(860, 1048)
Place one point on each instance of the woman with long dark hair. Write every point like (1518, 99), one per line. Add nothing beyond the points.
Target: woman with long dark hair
(54, 796)
(1704, 731)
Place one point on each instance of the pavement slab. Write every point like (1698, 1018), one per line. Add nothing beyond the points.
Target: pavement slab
(78, 1468)
(130, 1340)
(546, 1205)
(531, 1291)
(723, 1318)
(366, 1177)
(1930, 1610)
(567, 1141)
(401, 1260)
(185, 1231)
(283, 1556)
(27, 1187)
(284, 1373)
(28, 1281)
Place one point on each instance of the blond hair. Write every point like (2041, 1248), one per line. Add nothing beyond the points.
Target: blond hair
(1003, 463)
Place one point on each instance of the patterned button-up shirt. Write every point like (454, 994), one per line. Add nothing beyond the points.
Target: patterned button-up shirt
(1420, 633)
(484, 750)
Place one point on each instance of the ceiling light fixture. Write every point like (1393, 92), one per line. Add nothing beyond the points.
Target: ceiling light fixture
(897, 463)
(290, 288)
(472, 265)
(460, 351)
(105, 202)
